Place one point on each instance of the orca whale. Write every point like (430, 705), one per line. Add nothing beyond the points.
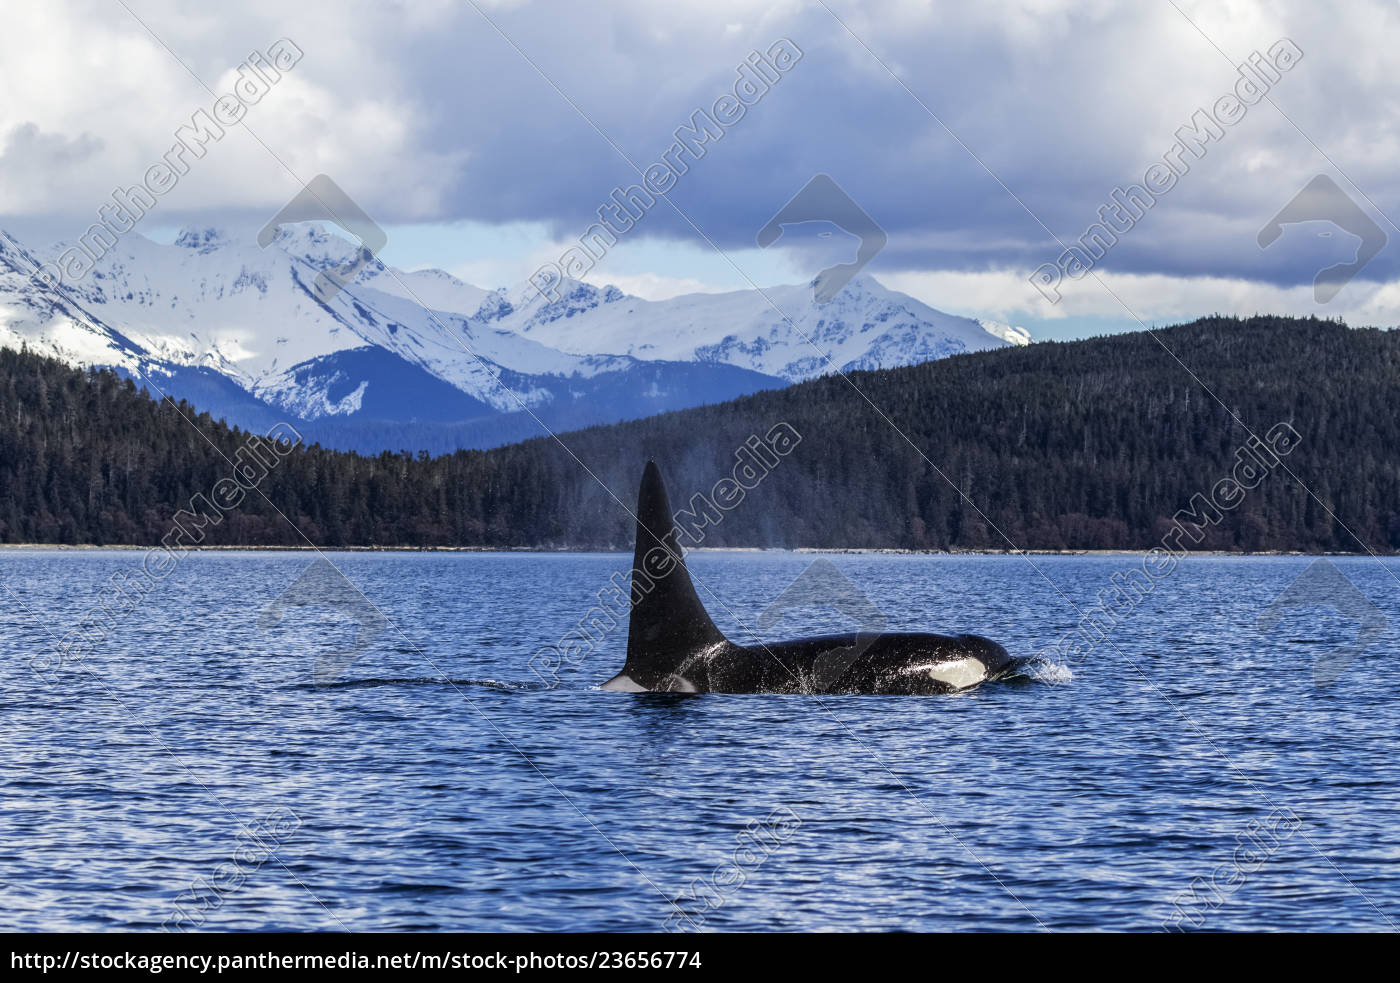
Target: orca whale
(673, 646)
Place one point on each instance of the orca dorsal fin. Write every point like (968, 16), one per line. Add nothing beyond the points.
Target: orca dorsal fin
(668, 621)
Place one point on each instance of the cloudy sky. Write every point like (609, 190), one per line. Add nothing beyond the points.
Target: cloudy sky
(984, 138)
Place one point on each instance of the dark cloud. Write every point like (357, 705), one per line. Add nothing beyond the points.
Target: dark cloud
(1060, 104)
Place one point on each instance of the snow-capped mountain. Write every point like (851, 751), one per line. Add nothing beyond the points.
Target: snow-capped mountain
(778, 331)
(423, 360)
(1008, 333)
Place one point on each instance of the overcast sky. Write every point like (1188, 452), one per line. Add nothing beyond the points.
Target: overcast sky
(483, 137)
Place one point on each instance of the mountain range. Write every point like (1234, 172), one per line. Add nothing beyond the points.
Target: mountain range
(423, 361)
(1104, 443)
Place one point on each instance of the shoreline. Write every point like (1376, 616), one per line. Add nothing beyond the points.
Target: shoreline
(838, 551)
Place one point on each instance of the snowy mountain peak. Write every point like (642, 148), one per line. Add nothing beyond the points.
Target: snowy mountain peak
(202, 240)
(391, 344)
(1006, 332)
(574, 297)
(779, 331)
(311, 243)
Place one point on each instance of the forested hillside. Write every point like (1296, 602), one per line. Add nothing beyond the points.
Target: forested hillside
(1089, 444)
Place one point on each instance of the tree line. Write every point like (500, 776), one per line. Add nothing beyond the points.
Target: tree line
(1092, 444)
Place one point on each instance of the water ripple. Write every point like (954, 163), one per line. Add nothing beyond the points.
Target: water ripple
(437, 782)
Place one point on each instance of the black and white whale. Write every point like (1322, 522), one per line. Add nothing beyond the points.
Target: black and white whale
(673, 646)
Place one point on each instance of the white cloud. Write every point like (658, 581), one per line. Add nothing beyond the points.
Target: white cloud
(651, 286)
(1153, 298)
(424, 114)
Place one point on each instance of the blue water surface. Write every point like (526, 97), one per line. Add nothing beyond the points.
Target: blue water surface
(432, 781)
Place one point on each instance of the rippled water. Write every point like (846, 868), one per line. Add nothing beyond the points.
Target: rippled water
(438, 785)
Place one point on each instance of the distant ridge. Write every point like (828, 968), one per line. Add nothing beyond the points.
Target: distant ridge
(1091, 444)
(424, 361)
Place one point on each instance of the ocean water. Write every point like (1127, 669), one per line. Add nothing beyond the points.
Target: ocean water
(249, 745)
